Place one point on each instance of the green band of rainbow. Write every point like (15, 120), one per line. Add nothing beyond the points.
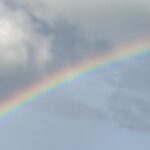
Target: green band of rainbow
(30, 93)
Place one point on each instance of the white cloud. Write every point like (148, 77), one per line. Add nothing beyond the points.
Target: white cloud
(18, 38)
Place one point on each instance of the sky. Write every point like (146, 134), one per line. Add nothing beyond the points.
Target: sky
(107, 109)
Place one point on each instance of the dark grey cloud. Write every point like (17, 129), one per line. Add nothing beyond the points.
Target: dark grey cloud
(70, 43)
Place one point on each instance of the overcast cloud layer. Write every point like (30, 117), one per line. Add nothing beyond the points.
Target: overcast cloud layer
(40, 36)
(31, 31)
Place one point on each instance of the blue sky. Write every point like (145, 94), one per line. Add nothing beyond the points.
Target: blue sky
(107, 109)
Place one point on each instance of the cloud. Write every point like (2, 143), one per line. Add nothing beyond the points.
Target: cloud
(18, 37)
(70, 28)
(46, 34)
(71, 44)
(115, 20)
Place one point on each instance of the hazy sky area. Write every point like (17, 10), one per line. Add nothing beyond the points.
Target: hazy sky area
(109, 109)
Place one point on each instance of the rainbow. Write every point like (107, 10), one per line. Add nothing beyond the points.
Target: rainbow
(29, 94)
